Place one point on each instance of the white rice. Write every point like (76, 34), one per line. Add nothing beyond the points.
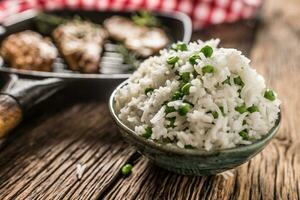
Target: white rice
(208, 93)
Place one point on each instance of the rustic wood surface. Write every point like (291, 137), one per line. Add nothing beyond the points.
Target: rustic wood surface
(38, 160)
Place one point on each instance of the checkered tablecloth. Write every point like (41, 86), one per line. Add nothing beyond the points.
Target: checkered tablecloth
(202, 12)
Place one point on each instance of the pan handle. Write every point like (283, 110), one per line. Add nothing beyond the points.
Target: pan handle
(19, 95)
(10, 114)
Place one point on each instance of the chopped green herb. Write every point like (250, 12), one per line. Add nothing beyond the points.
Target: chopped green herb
(227, 81)
(46, 23)
(222, 109)
(128, 57)
(177, 95)
(244, 122)
(183, 109)
(195, 74)
(253, 109)
(215, 114)
(180, 47)
(169, 109)
(207, 51)
(244, 135)
(188, 146)
(148, 132)
(172, 60)
(193, 59)
(269, 94)
(126, 169)
(185, 77)
(172, 122)
(148, 90)
(208, 69)
(238, 81)
(241, 109)
(144, 18)
(185, 89)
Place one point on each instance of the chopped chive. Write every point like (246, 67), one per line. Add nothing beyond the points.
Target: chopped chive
(172, 60)
(183, 109)
(172, 122)
(227, 81)
(148, 90)
(148, 132)
(244, 135)
(238, 81)
(208, 69)
(253, 109)
(180, 47)
(185, 89)
(169, 109)
(177, 95)
(269, 94)
(126, 169)
(193, 59)
(207, 51)
(185, 77)
(241, 109)
(188, 146)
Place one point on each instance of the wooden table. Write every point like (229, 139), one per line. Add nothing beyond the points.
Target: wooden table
(38, 160)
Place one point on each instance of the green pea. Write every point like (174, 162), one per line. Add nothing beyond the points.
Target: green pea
(207, 51)
(172, 60)
(208, 69)
(183, 109)
(253, 109)
(148, 132)
(238, 81)
(148, 90)
(185, 89)
(244, 135)
(191, 104)
(177, 95)
(269, 94)
(193, 59)
(126, 169)
(227, 81)
(180, 47)
(172, 122)
(241, 109)
(185, 77)
(169, 109)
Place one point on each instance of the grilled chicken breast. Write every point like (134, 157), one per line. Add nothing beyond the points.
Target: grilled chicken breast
(81, 44)
(29, 50)
(145, 41)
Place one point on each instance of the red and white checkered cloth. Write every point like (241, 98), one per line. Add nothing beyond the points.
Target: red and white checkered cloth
(202, 12)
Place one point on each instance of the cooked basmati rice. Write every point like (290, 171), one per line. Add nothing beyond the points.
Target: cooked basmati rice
(224, 102)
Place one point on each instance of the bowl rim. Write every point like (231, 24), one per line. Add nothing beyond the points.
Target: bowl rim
(191, 152)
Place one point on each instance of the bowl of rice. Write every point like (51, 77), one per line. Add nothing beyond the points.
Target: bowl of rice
(196, 109)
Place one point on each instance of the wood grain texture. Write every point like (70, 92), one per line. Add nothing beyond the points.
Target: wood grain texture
(10, 114)
(41, 163)
(39, 159)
